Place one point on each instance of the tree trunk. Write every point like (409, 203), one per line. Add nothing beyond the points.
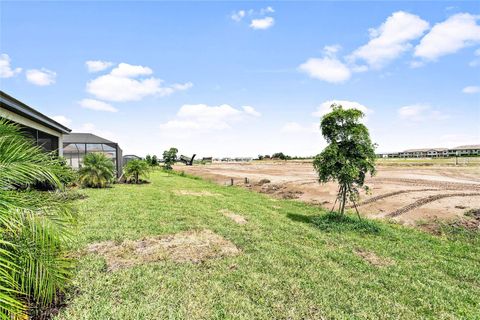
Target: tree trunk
(344, 199)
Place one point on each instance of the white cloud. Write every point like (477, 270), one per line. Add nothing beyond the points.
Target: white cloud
(123, 84)
(96, 105)
(251, 111)
(98, 65)
(329, 69)
(6, 70)
(262, 24)
(62, 120)
(42, 77)
(202, 116)
(238, 15)
(332, 50)
(325, 107)
(129, 71)
(471, 89)
(420, 112)
(449, 36)
(391, 39)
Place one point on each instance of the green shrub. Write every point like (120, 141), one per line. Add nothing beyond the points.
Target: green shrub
(34, 228)
(135, 169)
(97, 171)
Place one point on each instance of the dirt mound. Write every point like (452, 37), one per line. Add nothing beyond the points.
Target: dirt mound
(235, 217)
(372, 258)
(281, 191)
(196, 193)
(189, 246)
(262, 182)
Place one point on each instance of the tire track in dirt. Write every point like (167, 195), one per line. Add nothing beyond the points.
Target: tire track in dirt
(429, 199)
(389, 194)
(430, 183)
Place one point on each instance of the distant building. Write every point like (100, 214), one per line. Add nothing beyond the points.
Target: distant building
(77, 145)
(46, 132)
(468, 150)
(129, 157)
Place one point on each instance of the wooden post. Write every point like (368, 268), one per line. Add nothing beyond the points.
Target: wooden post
(231, 181)
(246, 180)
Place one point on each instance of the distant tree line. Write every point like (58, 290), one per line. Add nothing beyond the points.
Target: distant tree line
(281, 156)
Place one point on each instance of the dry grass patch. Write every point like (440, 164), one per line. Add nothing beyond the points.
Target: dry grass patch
(235, 217)
(372, 258)
(190, 246)
(196, 193)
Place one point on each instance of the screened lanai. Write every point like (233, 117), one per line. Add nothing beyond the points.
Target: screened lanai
(77, 145)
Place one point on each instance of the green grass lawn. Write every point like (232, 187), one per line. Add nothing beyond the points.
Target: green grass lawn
(295, 263)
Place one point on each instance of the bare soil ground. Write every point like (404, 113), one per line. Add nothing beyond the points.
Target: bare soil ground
(408, 194)
(190, 246)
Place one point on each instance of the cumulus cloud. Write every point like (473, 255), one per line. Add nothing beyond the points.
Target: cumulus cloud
(205, 117)
(98, 65)
(123, 84)
(41, 77)
(325, 107)
(96, 105)
(471, 89)
(62, 120)
(420, 113)
(458, 31)
(263, 23)
(6, 70)
(391, 39)
(251, 111)
(128, 70)
(328, 69)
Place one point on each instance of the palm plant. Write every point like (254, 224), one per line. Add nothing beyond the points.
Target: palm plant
(134, 169)
(33, 227)
(97, 171)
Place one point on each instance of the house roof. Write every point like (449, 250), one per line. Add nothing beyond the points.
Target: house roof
(75, 137)
(426, 150)
(471, 146)
(10, 103)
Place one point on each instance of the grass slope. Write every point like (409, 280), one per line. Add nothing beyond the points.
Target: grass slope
(296, 263)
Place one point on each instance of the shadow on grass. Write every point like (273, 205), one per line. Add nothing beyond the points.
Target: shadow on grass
(334, 222)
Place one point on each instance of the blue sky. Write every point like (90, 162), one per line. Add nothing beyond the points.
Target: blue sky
(243, 78)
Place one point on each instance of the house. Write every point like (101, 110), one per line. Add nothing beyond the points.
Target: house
(77, 145)
(468, 150)
(46, 132)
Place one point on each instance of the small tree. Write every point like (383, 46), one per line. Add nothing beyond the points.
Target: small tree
(136, 168)
(169, 158)
(154, 161)
(148, 159)
(349, 156)
(281, 156)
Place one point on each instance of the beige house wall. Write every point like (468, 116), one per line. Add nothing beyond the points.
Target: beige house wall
(32, 124)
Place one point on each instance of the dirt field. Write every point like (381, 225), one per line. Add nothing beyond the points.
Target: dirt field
(410, 193)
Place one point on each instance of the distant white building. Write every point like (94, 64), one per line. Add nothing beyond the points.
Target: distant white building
(467, 150)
